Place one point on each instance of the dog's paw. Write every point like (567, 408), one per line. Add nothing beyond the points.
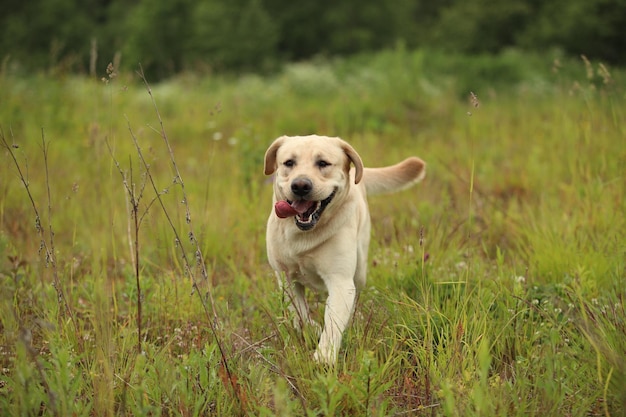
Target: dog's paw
(325, 355)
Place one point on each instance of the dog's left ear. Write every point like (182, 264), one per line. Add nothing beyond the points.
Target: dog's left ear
(270, 156)
(356, 160)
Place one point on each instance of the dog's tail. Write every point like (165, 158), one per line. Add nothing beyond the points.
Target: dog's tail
(395, 177)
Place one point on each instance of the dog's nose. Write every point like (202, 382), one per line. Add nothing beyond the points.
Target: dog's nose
(301, 186)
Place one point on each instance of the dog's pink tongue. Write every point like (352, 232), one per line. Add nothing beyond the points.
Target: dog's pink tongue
(283, 209)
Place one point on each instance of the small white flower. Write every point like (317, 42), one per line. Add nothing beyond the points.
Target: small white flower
(217, 136)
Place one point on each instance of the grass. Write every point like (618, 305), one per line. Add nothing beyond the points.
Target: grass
(496, 287)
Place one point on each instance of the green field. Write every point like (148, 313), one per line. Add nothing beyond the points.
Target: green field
(133, 275)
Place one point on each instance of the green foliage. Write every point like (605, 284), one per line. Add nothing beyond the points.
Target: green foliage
(156, 30)
(495, 287)
(580, 27)
(48, 34)
(232, 35)
(170, 37)
(326, 27)
(480, 26)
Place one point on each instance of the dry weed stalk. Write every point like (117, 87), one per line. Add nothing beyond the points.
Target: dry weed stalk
(197, 273)
(46, 246)
(134, 197)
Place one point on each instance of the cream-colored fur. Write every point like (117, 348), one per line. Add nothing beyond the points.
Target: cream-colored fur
(329, 255)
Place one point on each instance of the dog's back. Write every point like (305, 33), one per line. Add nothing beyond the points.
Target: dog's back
(395, 177)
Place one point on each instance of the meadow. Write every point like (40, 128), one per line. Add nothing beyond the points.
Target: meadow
(133, 275)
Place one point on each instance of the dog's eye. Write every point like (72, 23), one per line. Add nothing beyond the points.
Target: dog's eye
(289, 163)
(323, 164)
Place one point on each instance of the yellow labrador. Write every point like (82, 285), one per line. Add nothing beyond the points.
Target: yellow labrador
(318, 232)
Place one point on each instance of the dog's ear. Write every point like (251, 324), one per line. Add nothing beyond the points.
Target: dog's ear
(356, 160)
(270, 156)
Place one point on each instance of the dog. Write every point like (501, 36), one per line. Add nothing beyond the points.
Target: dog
(318, 232)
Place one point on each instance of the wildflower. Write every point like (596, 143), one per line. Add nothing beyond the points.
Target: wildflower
(588, 67)
(605, 74)
(474, 100)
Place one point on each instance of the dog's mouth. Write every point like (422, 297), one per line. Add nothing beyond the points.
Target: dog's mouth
(306, 213)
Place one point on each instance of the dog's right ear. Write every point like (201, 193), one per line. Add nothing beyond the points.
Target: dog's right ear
(270, 155)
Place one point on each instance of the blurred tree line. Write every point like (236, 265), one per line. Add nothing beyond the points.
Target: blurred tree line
(169, 36)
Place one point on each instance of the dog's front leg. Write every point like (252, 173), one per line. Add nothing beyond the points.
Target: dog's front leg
(339, 307)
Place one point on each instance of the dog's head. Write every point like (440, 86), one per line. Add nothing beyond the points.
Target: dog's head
(311, 172)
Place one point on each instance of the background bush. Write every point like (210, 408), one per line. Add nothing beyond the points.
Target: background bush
(168, 37)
